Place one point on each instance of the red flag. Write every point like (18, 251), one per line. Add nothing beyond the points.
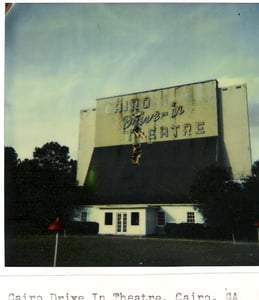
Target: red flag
(56, 225)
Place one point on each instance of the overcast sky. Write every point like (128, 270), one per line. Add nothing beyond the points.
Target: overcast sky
(61, 57)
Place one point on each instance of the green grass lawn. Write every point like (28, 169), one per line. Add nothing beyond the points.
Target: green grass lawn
(98, 251)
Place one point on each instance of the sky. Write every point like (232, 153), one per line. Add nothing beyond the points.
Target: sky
(60, 58)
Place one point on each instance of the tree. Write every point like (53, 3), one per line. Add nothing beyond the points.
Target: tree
(38, 190)
(11, 163)
(209, 193)
(250, 194)
(255, 169)
(230, 206)
(11, 157)
(47, 184)
(55, 164)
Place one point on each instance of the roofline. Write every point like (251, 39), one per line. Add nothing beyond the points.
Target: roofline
(158, 89)
(123, 206)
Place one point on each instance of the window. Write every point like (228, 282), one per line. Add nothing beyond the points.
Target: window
(161, 218)
(108, 219)
(83, 216)
(190, 217)
(134, 218)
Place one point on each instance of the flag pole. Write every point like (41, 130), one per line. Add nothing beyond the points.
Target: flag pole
(56, 251)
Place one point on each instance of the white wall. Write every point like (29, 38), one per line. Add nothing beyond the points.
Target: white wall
(131, 229)
(85, 143)
(92, 213)
(235, 129)
(178, 213)
(96, 214)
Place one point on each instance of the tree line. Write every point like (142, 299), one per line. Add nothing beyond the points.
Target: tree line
(38, 190)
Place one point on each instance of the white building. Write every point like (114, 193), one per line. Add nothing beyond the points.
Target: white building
(177, 131)
(137, 219)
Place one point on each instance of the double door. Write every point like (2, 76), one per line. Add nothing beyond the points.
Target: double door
(122, 222)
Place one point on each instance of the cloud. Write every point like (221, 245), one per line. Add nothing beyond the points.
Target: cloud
(253, 114)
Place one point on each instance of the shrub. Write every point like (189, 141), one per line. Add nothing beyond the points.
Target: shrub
(185, 230)
(200, 231)
(82, 227)
(22, 226)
